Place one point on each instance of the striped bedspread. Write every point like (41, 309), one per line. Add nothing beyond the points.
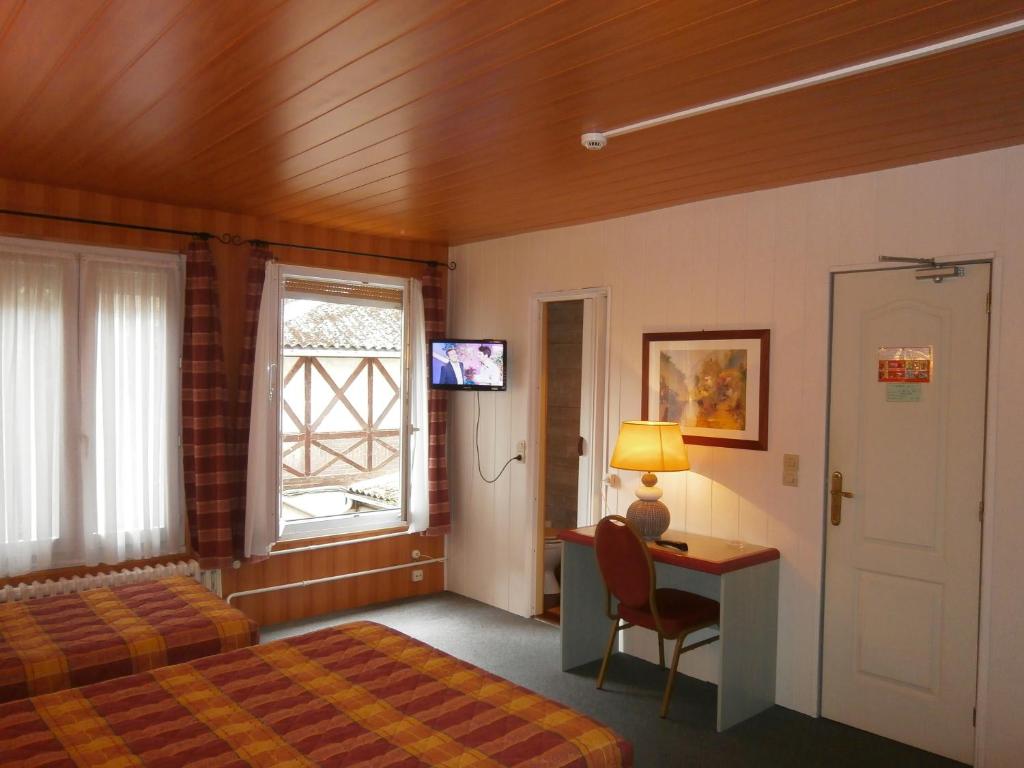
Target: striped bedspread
(355, 695)
(66, 641)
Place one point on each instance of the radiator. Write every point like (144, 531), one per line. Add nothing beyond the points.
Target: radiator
(209, 579)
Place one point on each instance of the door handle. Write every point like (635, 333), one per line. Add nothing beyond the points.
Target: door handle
(838, 494)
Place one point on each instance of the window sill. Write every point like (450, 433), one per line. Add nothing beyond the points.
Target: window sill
(364, 522)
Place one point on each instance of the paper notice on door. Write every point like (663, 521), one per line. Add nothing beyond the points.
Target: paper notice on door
(905, 364)
(903, 393)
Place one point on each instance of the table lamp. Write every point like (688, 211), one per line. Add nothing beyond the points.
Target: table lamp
(649, 447)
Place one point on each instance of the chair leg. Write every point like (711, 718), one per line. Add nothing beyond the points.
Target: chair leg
(607, 653)
(661, 651)
(671, 676)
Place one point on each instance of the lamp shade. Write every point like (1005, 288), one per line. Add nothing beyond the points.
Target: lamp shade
(650, 446)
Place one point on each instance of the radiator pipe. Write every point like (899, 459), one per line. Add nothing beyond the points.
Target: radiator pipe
(329, 545)
(325, 579)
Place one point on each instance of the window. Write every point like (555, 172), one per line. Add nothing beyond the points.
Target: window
(90, 468)
(343, 410)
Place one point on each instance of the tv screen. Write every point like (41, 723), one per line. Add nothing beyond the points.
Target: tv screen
(468, 364)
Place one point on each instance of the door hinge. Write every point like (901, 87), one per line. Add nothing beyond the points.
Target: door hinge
(981, 510)
(988, 302)
(974, 717)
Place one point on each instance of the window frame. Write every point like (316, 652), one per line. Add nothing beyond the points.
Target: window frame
(351, 523)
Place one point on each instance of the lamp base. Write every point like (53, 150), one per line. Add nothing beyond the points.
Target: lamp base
(649, 518)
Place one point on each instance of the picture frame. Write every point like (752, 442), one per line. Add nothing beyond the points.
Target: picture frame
(714, 383)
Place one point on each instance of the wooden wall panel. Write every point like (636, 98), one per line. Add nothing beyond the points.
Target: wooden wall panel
(291, 604)
(231, 264)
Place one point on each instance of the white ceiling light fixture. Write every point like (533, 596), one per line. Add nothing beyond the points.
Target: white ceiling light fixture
(598, 140)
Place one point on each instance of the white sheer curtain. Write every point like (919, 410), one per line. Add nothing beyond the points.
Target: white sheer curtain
(90, 468)
(263, 473)
(419, 437)
(37, 313)
(130, 346)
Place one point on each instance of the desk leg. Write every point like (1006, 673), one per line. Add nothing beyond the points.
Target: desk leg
(583, 622)
(749, 632)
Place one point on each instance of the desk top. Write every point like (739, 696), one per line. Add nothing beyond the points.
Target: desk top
(706, 553)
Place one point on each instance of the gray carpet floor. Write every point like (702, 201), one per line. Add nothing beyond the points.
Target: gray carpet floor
(526, 652)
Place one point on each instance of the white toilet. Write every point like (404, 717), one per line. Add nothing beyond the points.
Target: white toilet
(552, 558)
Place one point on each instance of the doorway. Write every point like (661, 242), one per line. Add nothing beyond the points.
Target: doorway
(569, 428)
(906, 465)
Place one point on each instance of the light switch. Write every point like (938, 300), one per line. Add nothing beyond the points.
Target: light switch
(790, 469)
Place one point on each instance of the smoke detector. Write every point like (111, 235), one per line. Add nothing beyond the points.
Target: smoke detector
(594, 141)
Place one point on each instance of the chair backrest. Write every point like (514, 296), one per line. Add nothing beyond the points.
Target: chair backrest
(625, 563)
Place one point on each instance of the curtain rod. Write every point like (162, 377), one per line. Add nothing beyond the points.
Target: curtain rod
(226, 238)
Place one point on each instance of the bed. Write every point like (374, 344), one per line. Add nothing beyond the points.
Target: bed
(64, 641)
(354, 695)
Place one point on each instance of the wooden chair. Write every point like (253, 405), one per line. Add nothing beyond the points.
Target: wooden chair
(628, 573)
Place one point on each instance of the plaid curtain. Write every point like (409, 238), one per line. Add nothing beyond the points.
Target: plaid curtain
(437, 412)
(204, 433)
(259, 255)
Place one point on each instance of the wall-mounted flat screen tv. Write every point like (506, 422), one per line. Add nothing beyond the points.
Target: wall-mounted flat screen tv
(478, 364)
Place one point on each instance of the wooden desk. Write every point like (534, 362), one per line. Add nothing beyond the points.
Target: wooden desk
(743, 578)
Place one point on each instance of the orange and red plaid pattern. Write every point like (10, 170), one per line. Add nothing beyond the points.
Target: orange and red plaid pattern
(357, 695)
(65, 641)
(439, 510)
(206, 449)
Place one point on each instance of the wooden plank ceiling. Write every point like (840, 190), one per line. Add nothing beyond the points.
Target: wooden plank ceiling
(454, 121)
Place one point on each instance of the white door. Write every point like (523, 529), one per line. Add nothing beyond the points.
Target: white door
(903, 553)
(592, 422)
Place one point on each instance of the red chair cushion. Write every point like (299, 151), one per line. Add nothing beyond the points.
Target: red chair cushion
(679, 612)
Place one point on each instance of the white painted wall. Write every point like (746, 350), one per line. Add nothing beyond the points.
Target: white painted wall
(748, 261)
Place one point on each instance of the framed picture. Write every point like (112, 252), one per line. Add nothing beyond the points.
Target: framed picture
(714, 383)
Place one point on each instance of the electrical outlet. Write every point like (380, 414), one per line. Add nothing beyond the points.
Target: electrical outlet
(417, 575)
(415, 554)
(521, 450)
(791, 470)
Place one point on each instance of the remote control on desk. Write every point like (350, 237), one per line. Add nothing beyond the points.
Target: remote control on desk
(680, 545)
